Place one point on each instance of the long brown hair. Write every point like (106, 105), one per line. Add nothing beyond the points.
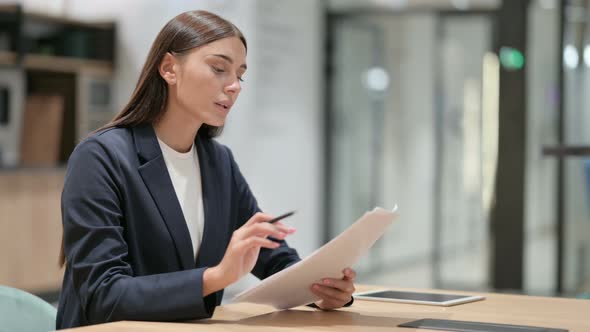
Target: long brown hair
(180, 35)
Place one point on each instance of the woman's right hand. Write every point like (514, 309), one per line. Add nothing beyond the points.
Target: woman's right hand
(242, 252)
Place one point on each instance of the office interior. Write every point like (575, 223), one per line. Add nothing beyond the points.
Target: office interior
(469, 115)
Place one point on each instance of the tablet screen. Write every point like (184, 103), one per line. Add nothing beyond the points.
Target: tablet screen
(428, 297)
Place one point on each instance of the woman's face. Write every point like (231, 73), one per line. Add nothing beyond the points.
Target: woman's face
(208, 80)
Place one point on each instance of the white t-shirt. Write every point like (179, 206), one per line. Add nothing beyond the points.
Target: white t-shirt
(185, 174)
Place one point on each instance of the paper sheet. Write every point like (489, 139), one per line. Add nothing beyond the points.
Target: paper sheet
(290, 287)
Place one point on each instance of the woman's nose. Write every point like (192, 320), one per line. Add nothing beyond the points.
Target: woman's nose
(234, 87)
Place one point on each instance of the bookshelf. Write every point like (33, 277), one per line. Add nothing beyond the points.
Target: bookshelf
(44, 56)
(64, 64)
(7, 58)
(55, 87)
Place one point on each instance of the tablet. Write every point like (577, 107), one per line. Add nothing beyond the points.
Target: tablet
(417, 297)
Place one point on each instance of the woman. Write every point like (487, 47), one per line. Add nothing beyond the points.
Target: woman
(157, 217)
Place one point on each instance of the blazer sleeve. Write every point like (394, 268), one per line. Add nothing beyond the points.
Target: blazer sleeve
(270, 261)
(97, 253)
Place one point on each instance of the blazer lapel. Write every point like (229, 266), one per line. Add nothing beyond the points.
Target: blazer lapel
(155, 175)
(211, 250)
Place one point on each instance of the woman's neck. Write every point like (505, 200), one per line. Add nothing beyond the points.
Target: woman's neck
(177, 128)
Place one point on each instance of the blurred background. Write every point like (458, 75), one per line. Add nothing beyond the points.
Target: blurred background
(470, 115)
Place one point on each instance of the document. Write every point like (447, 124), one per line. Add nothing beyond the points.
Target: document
(290, 287)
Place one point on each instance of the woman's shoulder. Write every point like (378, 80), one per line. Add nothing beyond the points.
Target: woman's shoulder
(109, 141)
(114, 136)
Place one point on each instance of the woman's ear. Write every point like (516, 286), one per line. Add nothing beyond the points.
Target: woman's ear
(168, 68)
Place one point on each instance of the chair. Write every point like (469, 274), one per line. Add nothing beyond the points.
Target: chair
(21, 311)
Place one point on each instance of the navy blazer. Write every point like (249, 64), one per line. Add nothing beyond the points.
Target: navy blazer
(128, 249)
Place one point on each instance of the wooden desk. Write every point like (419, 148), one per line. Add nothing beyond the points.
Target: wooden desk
(363, 316)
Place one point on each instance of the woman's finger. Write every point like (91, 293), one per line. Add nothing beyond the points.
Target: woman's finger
(325, 303)
(256, 241)
(261, 230)
(331, 294)
(260, 217)
(257, 218)
(349, 274)
(341, 284)
(284, 228)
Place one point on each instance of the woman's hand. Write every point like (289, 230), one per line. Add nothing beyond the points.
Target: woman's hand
(242, 252)
(335, 293)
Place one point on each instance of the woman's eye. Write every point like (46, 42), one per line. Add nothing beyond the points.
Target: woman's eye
(240, 79)
(218, 70)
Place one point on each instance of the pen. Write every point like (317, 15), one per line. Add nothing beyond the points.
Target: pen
(283, 216)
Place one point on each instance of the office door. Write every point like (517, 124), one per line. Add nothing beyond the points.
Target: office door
(404, 127)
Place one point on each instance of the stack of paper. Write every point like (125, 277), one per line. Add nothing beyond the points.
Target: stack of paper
(290, 287)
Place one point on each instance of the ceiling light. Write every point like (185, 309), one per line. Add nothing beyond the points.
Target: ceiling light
(587, 55)
(571, 58)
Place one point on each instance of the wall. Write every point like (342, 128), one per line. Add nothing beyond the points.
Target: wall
(542, 84)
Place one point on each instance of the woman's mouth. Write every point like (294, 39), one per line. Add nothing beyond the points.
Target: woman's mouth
(222, 107)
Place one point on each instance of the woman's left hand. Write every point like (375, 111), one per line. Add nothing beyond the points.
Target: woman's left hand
(335, 293)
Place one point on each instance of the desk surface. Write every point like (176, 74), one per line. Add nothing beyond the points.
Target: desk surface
(562, 313)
